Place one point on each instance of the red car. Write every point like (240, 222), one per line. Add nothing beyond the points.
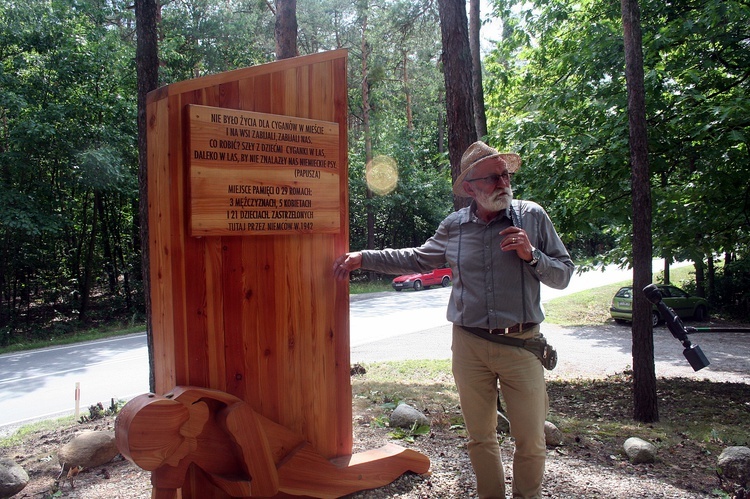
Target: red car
(421, 281)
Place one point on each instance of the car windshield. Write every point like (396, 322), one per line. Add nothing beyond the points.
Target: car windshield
(625, 293)
(676, 292)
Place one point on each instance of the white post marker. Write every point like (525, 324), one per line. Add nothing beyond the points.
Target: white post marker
(78, 399)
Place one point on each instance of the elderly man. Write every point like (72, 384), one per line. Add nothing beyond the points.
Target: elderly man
(499, 250)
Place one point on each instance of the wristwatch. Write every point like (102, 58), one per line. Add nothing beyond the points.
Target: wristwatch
(535, 256)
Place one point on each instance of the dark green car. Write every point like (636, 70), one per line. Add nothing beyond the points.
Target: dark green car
(684, 305)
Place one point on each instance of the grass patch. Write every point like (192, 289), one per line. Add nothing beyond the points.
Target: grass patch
(586, 307)
(376, 286)
(425, 384)
(411, 371)
(45, 425)
(591, 307)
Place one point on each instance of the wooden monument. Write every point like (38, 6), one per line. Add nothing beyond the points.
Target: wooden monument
(248, 208)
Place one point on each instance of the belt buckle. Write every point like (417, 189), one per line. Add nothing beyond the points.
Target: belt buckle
(502, 331)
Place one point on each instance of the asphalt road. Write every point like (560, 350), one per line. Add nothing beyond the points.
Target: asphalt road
(590, 352)
(41, 384)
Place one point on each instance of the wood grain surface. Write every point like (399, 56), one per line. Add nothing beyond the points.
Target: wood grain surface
(261, 316)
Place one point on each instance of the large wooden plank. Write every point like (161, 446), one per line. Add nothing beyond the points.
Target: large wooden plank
(243, 73)
(264, 383)
(160, 208)
(340, 244)
(259, 317)
(190, 271)
(221, 329)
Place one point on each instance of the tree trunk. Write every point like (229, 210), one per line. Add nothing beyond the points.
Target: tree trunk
(644, 375)
(88, 263)
(147, 69)
(441, 125)
(285, 30)
(459, 105)
(700, 277)
(475, 26)
(110, 260)
(407, 91)
(729, 279)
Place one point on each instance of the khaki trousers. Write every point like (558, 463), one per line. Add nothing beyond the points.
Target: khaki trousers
(478, 365)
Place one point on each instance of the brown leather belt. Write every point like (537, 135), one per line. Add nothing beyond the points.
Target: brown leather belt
(517, 328)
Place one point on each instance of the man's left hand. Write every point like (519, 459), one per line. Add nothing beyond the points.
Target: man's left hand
(517, 240)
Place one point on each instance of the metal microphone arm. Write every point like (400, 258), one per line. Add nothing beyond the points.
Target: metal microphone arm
(692, 353)
(674, 323)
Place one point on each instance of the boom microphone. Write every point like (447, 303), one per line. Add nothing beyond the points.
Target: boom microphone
(692, 353)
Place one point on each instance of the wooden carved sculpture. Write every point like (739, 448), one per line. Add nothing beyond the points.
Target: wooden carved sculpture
(241, 452)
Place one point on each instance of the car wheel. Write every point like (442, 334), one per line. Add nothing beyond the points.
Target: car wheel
(446, 281)
(655, 319)
(418, 286)
(700, 313)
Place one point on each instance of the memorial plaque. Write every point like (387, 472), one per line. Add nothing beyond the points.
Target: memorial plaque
(235, 320)
(256, 173)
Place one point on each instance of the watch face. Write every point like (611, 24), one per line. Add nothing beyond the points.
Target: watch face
(536, 254)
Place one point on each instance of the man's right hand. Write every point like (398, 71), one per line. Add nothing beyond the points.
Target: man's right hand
(346, 263)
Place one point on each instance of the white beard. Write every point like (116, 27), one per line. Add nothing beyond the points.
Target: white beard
(495, 201)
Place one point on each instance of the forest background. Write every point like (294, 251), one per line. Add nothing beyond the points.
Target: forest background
(554, 89)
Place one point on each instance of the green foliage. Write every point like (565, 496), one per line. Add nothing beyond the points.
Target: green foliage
(389, 404)
(405, 109)
(405, 434)
(202, 37)
(556, 93)
(100, 169)
(409, 434)
(586, 307)
(732, 288)
(68, 161)
(380, 421)
(97, 411)
(422, 198)
(68, 158)
(433, 370)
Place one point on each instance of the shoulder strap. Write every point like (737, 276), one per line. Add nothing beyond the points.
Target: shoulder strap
(517, 222)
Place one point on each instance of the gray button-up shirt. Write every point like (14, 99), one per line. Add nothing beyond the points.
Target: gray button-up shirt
(492, 288)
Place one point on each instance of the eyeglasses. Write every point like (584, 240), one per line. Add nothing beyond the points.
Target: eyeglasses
(493, 179)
